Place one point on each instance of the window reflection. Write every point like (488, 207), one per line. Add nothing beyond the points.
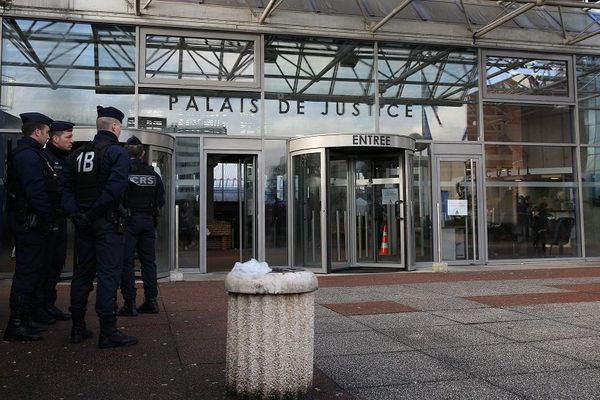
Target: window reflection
(522, 123)
(202, 59)
(65, 69)
(276, 200)
(436, 87)
(526, 76)
(531, 200)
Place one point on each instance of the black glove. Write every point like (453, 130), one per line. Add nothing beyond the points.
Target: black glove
(81, 220)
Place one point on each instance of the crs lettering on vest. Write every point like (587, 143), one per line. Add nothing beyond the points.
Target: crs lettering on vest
(143, 180)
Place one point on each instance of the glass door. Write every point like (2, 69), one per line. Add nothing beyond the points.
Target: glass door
(160, 160)
(379, 211)
(230, 210)
(457, 226)
(338, 212)
(308, 209)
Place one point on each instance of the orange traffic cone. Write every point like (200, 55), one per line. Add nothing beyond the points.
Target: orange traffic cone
(384, 249)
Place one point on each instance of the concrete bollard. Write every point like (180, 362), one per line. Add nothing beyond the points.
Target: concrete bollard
(270, 334)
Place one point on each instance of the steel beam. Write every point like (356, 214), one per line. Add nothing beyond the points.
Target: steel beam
(268, 10)
(391, 15)
(147, 4)
(515, 13)
(580, 37)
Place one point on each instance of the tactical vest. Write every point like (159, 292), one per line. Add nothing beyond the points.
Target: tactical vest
(15, 194)
(54, 187)
(89, 177)
(142, 190)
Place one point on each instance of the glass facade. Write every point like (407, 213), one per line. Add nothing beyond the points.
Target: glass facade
(533, 134)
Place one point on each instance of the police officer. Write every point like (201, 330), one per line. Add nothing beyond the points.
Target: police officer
(30, 220)
(95, 180)
(144, 197)
(57, 149)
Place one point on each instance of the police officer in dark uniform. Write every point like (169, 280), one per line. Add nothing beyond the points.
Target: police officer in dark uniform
(95, 180)
(30, 220)
(57, 149)
(144, 197)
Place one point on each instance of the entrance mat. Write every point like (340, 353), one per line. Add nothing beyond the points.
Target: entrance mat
(526, 299)
(581, 287)
(369, 307)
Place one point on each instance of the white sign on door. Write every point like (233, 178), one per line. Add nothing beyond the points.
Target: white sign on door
(457, 208)
(389, 196)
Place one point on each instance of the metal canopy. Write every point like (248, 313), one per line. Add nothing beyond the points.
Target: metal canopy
(573, 20)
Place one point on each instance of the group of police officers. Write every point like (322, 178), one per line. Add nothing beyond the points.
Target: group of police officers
(111, 195)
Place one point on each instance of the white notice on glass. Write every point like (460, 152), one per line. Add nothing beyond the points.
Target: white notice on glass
(389, 196)
(457, 207)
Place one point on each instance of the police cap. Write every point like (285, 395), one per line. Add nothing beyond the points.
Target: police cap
(133, 141)
(61, 126)
(110, 112)
(36, 117)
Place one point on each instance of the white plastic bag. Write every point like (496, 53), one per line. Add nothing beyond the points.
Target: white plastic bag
(251, 267)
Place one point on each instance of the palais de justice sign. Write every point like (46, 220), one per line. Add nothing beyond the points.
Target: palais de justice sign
(298, 107)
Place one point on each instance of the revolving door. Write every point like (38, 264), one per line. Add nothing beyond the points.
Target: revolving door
(351, 205)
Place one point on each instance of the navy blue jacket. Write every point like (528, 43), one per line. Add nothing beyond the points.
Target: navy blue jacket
(57, 158)
(115, 166)
(160, 187)
(29, 167)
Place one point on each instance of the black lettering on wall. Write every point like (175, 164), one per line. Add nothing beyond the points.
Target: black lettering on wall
(287, 106)
(356, 111)
(172, 100)
(226, 105)
(326, 109)
(208, 104)
(254, 108)
(300, 107)
(408, 111)
(338, 110)
(191, 104)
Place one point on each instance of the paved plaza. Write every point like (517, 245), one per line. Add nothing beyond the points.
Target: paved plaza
(501, 333)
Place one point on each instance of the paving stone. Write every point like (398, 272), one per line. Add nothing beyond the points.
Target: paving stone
(369, 307)
(328, 344)
(503, 359)
(559, 310)
(470, 389)
(583, 349)
(401, 320)
(581, 384)
(338, 324)
(480, 315)
(385, 369)
(533, 330)
(457, 335)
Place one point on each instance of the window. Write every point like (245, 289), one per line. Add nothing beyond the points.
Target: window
(534, 77)
(201, 60)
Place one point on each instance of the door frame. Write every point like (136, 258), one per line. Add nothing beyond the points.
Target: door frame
(480, 239)
(241, 146)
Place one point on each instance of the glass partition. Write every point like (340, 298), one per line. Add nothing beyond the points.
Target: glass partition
(65, 69)
(161, 162)
(527, 123)
(428, 90)
(318, 85)
(187, 197)
(276, 200)
(199, 58)
(527, 76)
(531, 202)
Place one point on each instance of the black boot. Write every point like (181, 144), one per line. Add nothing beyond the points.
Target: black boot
(128, 309)
(41, 316)
(57, 313)
(18, 329)
(79, 331)
(110, 336)
(150, 306)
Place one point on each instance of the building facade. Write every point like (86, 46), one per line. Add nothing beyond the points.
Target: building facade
(333, 134)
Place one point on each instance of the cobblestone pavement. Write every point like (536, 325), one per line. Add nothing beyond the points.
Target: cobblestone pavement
(514, 333)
